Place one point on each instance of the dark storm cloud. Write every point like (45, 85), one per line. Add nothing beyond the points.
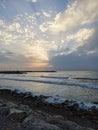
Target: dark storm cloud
(76, 62)
(85, 58)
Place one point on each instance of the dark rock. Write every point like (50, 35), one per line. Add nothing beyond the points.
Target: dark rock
(37, 115)
(4, 111)
(58, 121)
(17, 115)
(25, 108)
(74, 126)
(40, 125)
(11, 105)
(95, 102)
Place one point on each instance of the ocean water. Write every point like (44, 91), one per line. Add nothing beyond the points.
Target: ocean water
(75, 85)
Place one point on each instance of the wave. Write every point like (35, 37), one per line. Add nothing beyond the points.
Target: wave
(58, 100)
(53, 99)
(86, 78)
(54, 77)
(55, 82)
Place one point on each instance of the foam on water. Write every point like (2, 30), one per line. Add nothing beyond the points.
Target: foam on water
(80, 85)
(56, 99)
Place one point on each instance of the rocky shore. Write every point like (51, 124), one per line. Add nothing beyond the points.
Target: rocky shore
(23, 111)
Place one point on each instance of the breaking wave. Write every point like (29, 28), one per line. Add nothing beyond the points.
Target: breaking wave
(68, 83)
(54, 77)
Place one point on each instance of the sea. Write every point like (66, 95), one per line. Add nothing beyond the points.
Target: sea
(71, 85)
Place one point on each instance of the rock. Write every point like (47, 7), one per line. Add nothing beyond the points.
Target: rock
(27, 119)
(59, 117)
(42, 115)
(57, 120)
(17, 115)
(87, 128)
(40, 125)
(1, 101)
(14, 110)
(1, 104)
(25, 108)
(75, 106)
(59, 123)
(93, 109)
(74, 126)
(11, 105)
(37, 115)
(95, 102)
(4, 111)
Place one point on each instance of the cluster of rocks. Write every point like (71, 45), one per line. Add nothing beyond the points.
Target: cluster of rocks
(15, 116)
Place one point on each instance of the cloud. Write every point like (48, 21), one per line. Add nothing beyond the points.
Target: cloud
(37, 39)
(75, 61)
(43, 27)
(21, 38)
(46, 14)
(85, 57)
(79, 39)
(34, 1)
(77, 14)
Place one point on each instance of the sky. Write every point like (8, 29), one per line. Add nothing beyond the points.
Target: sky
(49, 34)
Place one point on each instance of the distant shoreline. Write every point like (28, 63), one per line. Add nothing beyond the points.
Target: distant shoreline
(22, 72)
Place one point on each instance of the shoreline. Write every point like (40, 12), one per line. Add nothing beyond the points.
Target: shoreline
(70, 110)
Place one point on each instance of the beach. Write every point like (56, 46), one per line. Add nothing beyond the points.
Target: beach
(48, 64)
(23, 111)
(66, 100)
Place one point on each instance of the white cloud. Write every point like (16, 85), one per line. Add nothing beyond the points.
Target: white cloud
(32, 1)
(91, 52)
(73, 41)
(21, 37)
(43, 27)
(1, 22)
(80, 38)
(37, 13)
(78, 13)
(46, 14)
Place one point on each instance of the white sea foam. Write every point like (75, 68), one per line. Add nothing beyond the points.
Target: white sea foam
(54, 99)
(86, 105)
(83, 105)
(71, 85)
